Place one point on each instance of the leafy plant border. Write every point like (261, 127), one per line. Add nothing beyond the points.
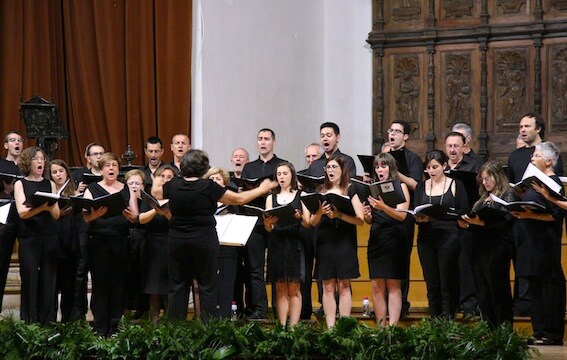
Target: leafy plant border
(349, 339)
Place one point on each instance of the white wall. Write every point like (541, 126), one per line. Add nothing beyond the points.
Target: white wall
(284, 64)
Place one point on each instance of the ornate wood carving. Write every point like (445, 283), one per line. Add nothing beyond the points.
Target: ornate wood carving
(483, 135)
(537, 75)
(406, 10)
(431, 97)
(458, 8)
(510, 89)
(457, 88)
(378, 103)
(559, 5)
(517, 62)
(558, 98)
(406, 74)
(510, 6)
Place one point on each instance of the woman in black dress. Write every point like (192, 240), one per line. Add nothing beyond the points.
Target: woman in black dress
(107, 247)
(438, 239)
(285, 253)
(38, 240)
(193, 245)
(67, 229)
(493, 245)
(155, 281)
(387, 248)
(336, 250)
(228, 255)
(539, 254)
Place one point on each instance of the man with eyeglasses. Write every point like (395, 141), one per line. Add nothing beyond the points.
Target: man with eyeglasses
(454, 148)
(330, 134)
(410, 174)
(14, 144)
(93, 153)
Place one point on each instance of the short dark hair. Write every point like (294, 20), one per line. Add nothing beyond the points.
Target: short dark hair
(268, 130)
(89, 146)
(457, 134)
(405, 125)
(195, 163)
(436, 155)
(153, 140)
(538, 122)
(332, 125)
(11, 132)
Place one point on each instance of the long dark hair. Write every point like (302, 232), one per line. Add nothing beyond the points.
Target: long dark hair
(345, 178)
(70, 189)
(293, 176)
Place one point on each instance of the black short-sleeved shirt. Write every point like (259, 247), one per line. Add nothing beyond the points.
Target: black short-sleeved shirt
(8, 167)
(192, 205)
(317, 167)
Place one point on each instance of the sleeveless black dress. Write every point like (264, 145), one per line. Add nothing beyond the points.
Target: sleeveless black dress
(387, 248)
(286, 261)
(336, 249)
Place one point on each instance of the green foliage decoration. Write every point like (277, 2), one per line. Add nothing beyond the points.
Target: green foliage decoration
(219, 340)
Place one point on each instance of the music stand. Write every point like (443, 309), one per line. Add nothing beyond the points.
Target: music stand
(42, 122)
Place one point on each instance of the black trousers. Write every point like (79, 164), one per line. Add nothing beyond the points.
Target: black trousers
(307, 281)
(38, 271)
(189, 258)
(491, 261)
(227, 277)
(81, 279)
(255, 261)
(467, 296)
(135, 298)
(66, 275)
(439, 256)
(8, 234)
(547, 294)
(108, 256)
(409, 228)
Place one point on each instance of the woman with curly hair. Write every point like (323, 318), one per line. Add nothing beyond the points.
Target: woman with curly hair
(38, 240)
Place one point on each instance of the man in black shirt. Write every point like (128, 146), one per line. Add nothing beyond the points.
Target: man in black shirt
(468, 153)
(410, 173)
(153, 148)
(13, 143)
(330, 137)
(93, 153)
(180, 144)
(265, 165)
(532, 132)
(454, 148)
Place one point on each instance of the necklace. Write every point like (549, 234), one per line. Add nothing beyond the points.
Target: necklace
(442, 193)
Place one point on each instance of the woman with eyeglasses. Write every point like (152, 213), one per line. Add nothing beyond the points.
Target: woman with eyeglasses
(135, 300)
(438, 239)
(336, 250)
(387, 247)
(38, 240)
(67, 230)
(108, 246)
(493, 245)
(155, 280)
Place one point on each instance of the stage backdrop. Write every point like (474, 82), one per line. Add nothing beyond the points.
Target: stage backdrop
(119, 71)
